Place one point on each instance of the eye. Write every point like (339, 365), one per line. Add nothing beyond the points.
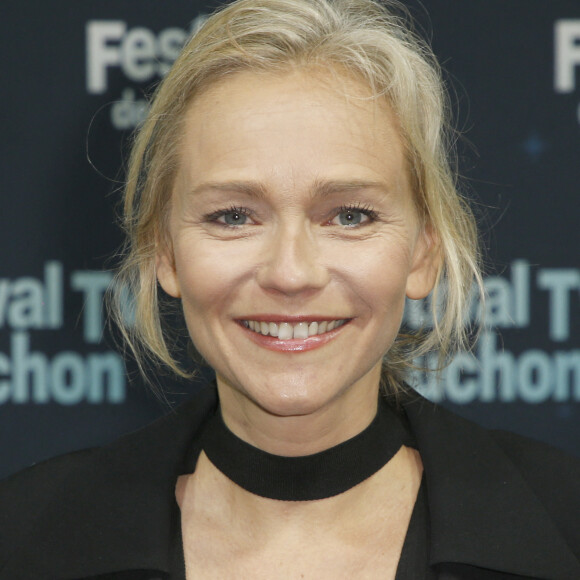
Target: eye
(354, 216)
(350, 218)
(233, 218)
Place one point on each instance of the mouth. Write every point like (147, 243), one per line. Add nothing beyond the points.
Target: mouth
(288, 330)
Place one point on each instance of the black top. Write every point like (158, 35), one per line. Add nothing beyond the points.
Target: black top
(499, 506)
(317, 476)
(414, 562)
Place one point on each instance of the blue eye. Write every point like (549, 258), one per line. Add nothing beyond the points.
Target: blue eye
(350, 218)
(234, 218)
(230, 217)
(354, 216)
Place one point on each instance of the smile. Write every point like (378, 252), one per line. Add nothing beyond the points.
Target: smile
(288, 330)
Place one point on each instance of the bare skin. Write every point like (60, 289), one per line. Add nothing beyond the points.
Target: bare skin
(358, 534)
(293, 205)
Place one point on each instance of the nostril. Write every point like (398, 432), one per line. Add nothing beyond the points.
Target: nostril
(290, 269)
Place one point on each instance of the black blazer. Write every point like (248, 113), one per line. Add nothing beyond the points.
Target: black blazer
(500, 506)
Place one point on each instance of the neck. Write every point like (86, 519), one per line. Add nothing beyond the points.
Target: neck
(310, 477)
(358, 509)
(295, 429)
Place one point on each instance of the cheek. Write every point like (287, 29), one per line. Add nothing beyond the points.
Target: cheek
(387, 298)
(378, 278)
(207, 274)
(379, 270)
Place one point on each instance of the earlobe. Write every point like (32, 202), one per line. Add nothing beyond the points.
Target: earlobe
(427, 260)
(167, 274)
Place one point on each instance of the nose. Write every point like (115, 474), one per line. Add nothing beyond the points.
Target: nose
(292, 262)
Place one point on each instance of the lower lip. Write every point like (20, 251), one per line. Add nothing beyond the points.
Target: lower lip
(294, 344)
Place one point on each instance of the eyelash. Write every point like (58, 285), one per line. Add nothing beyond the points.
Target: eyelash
(214, 216)
(366, 210)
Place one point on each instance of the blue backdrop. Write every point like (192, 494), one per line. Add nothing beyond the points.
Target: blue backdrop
(74, 85)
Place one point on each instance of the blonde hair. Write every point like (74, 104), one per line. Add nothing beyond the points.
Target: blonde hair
(373, 42)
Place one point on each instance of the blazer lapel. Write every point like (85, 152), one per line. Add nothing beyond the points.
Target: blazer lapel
(482, 511)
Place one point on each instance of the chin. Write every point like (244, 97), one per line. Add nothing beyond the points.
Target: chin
(289, 406)
(292, 399)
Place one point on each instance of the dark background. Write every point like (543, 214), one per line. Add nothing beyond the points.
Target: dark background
(61, 159)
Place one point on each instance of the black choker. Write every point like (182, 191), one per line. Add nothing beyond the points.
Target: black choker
(311, 477)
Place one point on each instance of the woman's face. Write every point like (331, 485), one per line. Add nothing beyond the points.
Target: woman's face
(292, 216)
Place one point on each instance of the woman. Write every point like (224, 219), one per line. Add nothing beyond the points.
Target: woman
(288, 191)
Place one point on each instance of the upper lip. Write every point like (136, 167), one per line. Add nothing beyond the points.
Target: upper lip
(291, 319)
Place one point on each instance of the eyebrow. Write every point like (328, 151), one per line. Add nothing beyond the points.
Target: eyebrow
(321, 188)
(332, 187)
(249, 188)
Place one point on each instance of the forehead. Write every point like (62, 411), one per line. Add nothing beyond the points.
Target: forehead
(319, 85)
(303, 122)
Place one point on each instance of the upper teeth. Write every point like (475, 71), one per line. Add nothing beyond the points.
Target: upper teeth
(286, 331)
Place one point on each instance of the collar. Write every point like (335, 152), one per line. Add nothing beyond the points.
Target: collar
(110, 511)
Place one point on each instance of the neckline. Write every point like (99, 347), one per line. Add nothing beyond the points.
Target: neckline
(310, 477)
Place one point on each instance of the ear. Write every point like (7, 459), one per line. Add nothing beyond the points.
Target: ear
(427, 261)
(166, 271)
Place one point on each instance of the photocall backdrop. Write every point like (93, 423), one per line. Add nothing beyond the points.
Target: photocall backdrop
(75, 76)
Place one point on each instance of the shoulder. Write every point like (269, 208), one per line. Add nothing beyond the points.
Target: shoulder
(448, 438)
(552, 474)
(42, 473)
(163, 441)
(25, 496)
(26, 490)
(442, 430)
(76, 507)
(497, 499)
(537, 460)
(544, 467)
